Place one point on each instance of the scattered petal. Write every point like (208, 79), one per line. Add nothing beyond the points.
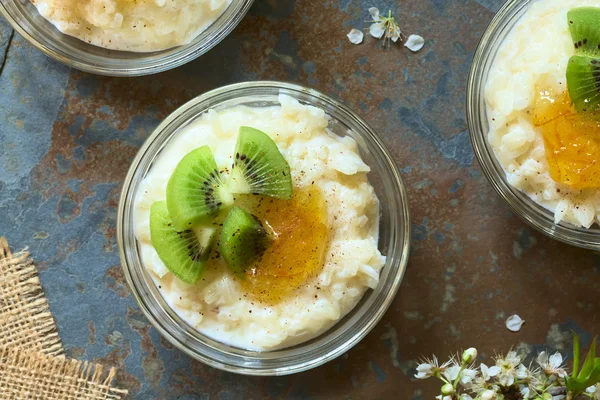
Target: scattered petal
(514, 323)
(356, 36)
(414, 43)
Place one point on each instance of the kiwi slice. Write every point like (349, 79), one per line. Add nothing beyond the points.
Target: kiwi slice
(259, 167)
(584, 23)
(196, 192)
(183, 252)
(243, 239)
(583, 81)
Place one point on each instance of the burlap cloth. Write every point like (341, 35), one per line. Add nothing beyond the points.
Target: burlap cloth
(32, 365)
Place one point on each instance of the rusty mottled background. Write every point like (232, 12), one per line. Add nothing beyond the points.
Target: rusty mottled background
(67, 139)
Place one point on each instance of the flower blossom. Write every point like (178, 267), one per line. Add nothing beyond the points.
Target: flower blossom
(552, 365)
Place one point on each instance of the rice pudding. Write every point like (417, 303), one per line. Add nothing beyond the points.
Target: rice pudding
(132, 25)
(547, 151)
(329, 181)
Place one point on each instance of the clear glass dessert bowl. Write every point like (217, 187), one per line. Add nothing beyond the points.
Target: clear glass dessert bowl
(394, 237)
(27, 21)
(534, 214)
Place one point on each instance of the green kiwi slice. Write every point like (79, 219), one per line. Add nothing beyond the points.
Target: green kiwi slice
(243, 240)
(259, 167)
(583, 81)
(183, 252)
(196, 192)
(584, 23)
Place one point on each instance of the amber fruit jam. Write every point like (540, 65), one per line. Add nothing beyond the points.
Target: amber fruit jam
(571, 139)
(300, 232)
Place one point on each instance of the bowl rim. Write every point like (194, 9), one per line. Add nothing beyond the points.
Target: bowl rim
(194, 50)
(403, 229)
(526, 208)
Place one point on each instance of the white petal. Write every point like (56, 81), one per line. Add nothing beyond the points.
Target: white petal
(465, 397)
(521, 372)
(506, 379)
(395, 36)
(452, 372)
(377, 30)
(422, 375)
(514, 323)
(493, 371)
(414, 43)
(355, 36)
(424, 367)
(467, 376)
(542, 359)
(556, 360)
(484, 371)
(591, 389)
(525, 392)
(374, 13)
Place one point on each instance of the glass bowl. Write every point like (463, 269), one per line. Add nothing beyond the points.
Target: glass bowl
(25, 19)
(393, 241)
(535, 215)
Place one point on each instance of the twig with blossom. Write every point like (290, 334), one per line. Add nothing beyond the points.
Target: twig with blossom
(510, 379)
(388, 29)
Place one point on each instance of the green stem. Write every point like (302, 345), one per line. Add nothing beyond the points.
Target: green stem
(462, 367)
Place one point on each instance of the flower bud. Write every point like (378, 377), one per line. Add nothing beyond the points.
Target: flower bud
(469, 355)
(447, 389)
(488, 395)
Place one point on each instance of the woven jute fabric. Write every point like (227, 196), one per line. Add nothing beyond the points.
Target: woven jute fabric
(32, 364)
(25, 318)
(26, 375)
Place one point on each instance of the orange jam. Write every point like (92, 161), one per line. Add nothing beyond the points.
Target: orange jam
(571, 139)
(299, 228)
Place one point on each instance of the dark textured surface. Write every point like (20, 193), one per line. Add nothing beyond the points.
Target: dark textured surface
(67, 139)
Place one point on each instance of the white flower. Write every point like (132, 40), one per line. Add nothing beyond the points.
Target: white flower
(429, 368)
(508, 366)
(488, 373)
(552, 365)
(452, 373)
(424, 371)
(439, 397)
(377, 29)
(384, 26)
(467, 376)
(525, 392)
(414, 43)
(514, 323)
(522, 372)
(465, 396)
(355, 36)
